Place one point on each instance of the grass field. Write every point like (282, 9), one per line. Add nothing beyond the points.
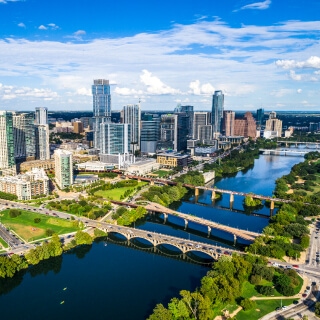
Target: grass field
(263, 307)
(3, 244)
(28, 230)
(115, 194)
(162, 173)
(248, 289)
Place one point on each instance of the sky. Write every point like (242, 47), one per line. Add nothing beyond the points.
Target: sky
(261, 54)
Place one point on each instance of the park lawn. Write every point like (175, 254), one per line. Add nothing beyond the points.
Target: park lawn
(115, 194)
(262, 308)
(3, 244)
(299, 286)
(248, 289)
(162, 173)
(28, 230)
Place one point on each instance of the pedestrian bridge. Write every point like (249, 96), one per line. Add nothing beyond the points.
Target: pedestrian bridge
(157, 239)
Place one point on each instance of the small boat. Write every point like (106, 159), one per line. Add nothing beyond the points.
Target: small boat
(62, 302)
(64, 288)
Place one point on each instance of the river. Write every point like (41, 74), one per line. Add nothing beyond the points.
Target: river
(119, 282)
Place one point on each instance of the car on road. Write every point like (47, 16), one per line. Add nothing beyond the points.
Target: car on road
(278, 308)
(304, 295)
(284, 307)
(295, 266)
(289, 267)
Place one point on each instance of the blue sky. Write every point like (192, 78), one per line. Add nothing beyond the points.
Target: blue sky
(260, 53)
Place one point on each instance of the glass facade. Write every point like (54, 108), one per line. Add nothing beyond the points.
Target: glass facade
(217, 110)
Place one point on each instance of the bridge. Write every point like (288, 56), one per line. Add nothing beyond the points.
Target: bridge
(157, 239)
(296, 143)
(284, 152)
(157, 208)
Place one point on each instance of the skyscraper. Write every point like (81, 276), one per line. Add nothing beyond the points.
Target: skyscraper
(150, 129)
(260, 117)
(229, 117)
(217, 110)
(101, 107)
(245, 127)
(41, 115)
(6, 141)
(42, 142)
(24, 136)
(131, 114)
(63, 168)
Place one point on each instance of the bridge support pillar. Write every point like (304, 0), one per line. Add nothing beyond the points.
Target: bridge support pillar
(165, 218)
(139, 180)
(234, 239)
(127, 178)
(213, 196)
(196, 192)
(185, 224)
(271, 208)
(151, 182)
(231, 200)
(209, 231)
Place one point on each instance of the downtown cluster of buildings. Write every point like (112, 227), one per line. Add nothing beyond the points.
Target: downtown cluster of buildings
(173, 138)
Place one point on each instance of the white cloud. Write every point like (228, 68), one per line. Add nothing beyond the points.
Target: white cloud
(6, 1)
(21, 25)
(11, 92)
(42, 27)
(84, 92)
(51, 26)
(198, 89)
(294, 76)
(299, 90)
(127, 91)
(155, 85)
(312, 62)
(281, 92)
(256, 6)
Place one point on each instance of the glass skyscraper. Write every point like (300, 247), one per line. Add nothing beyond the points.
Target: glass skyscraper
(101, 107)
(217, 110)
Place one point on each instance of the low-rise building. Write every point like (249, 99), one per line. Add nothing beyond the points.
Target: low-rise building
(27, 185)
(39, 164)
(96, 166)
(143, 167)
(172, 159)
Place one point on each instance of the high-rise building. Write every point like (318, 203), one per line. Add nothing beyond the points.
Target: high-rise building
(63, 168)
(272, 115)
(274, 126)
(24, 136)
(6, 141)
(245, 127)
(187, 110)
(228, 117)
(101, 107)
(42, 142)
(260, 117)
(41, 115)
(200, 119)
(131, 114)
(150, 130)
(77, 127)
(217, 111)
(115, 138)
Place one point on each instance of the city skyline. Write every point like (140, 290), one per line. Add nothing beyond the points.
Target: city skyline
(261, 54)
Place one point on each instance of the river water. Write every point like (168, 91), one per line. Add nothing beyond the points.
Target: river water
(119, 282)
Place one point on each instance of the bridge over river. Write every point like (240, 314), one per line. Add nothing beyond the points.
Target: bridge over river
(157, 208)
(157, 239)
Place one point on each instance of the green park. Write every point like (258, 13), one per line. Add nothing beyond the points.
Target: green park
(31, 226)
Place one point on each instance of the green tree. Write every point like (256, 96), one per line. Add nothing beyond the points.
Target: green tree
(247, 304)
(83, 238)
(161, 313)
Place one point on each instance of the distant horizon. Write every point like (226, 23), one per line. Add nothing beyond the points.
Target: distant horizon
(260, 53)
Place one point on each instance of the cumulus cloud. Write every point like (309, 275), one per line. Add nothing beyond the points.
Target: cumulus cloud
(294, 76)
(198, 89)
(256, 6)
(313, 62)
(127, 91)
(299, 90)
(51, 26)
(21, 25)
(10, 92)
(281, 92)
(84, 92)
(42, 27)
(155, 85)
(6, 1)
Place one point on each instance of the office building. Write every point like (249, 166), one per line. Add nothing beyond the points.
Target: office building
(245, 127)
(101, 107)
(228, 122)
(172, 159)
(131, 114)
(201, 122)
(41, 115)
(188, 111)
(217, 111)
(115, 138)
(63, 168)
(260, 117)
(77, 127)
(7, 160)
(149, 137)
(313, 126)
